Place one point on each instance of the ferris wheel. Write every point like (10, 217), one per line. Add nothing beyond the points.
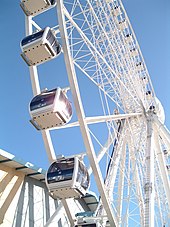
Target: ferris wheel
(120, 118)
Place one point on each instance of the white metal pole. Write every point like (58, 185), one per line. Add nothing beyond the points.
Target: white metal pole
(102, 152)
(121, 184)
(56, 215)
(113, 169)
(80, 114)
(68, 211)
(115, 164)
(32, 69)
(162, 166)
(163, 131)
(48, 145)
(36, 90)
(137, 180)
(46, 133)
(149, 180)
(125, 220)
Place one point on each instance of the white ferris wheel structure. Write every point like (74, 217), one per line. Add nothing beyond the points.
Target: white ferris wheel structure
(127, 144)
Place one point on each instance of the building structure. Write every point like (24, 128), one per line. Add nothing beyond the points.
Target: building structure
(24, 197)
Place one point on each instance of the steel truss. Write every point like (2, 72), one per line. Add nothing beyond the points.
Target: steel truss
(130, 165)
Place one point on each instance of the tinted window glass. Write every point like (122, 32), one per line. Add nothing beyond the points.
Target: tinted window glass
(53, 41)
(61, 171)
(56, 47)
(42, 101)
(83, 176)
(32, 37)
(86, 225)
(50, 37)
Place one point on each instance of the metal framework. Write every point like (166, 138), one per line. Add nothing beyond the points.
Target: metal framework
(129, 163)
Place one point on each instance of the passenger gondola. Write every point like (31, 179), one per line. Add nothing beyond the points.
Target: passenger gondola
(50, 109)
(40, 47)
(148, 94)
(67, 178)
(33, 8)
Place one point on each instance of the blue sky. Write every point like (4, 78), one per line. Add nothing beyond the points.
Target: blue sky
(150, 21)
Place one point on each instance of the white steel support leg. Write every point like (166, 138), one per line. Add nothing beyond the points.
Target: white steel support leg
(48, 145)
(80, 114)
(56, 215)
(112, 172)
(163, 132)
(137, 180)
(36, 90)
(32, 69)
(149, 180)
(102, 152)
(162, 167)
(68, 212)
(125, 220)
(159, 204)
(45, 134)
(121, 183)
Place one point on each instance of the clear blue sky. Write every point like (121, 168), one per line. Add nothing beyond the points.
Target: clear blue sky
(151, 23)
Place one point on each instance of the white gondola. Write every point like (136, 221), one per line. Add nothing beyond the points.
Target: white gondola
(116, 11)
(134, 52)
(40, 47)
(129, 38)
(67, 178)
(123, 25)
(139, 66)
(149, 95)
(35, 7)
(144, 80)
(50, 109)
